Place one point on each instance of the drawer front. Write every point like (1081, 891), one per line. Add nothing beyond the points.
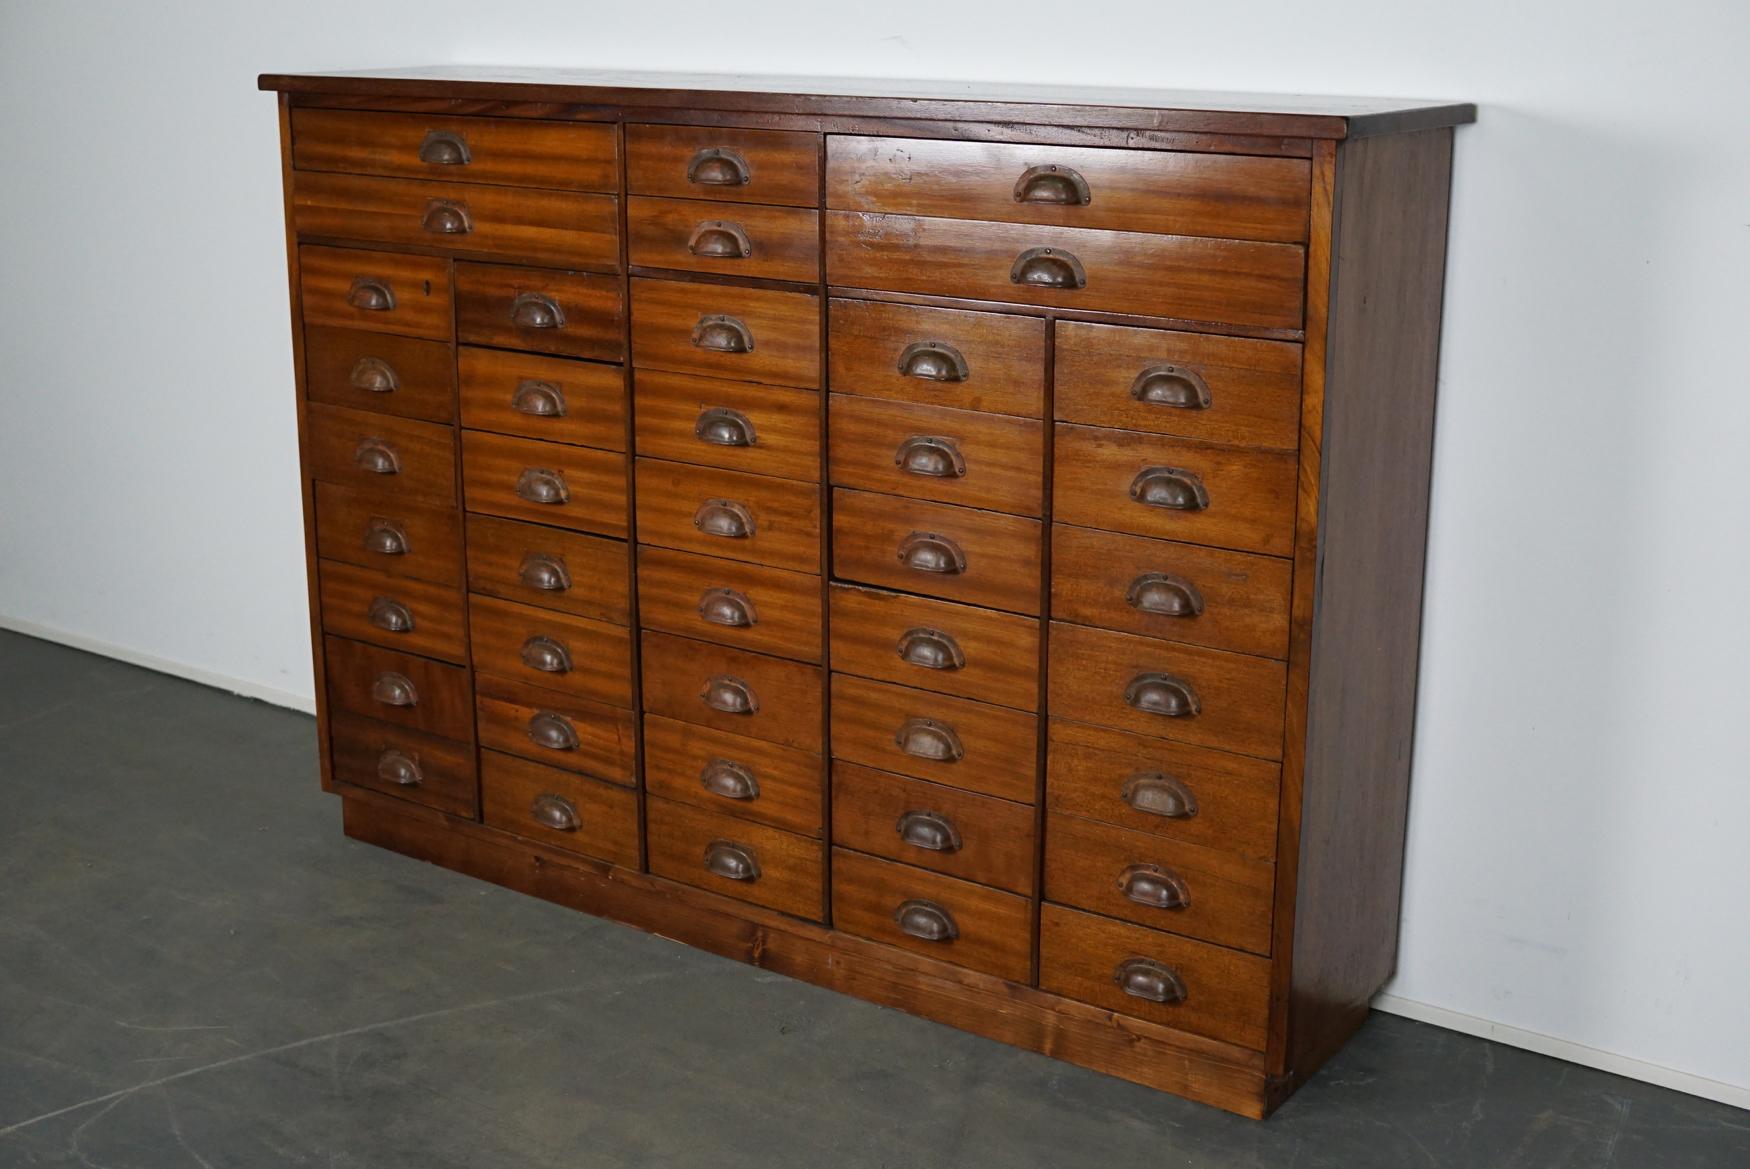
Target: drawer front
(968, 745)
(415, 540)
(769, 430)
(383, 293)
(748, 606)
(1228, 196)
(755, 518)
(379, 371)
(719, 330)
(1177, 592)
(414, 616)
(513, 152)
(938, 357)
(1175, 490)
(1209, 990)
(930, 452)
(936, 916)
(543, 397)
(397, 688)
(936, 645)
(737, 858)
(733, 774)
(951, 552)
(585, 575)
(569, 314)
(724, 163)
(390, 458)
(560, 809)
(407, 764)
(933, 827)
(731, 690)
(573, 655)
(1183, 277)
(1214, 699)
(545, 482)
(697, 235)
(557, 730)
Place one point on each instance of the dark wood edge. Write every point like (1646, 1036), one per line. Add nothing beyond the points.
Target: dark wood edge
(627, 379)
(1042, 707)
(824, 380)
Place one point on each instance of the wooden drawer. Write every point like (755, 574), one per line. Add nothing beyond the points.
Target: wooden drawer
(543, 397)
(728, 331)
(557, 730)
(1182, 277)
(1183, 692)
(1229, 196)
(733, 774)
(514, 152)
(585, 575)
(748, 606)
(1218, 389)
(1220, 993)
(720, 162)
(545, 482)
(696, 235)
(379, 371)
(939, 917)
(934, 827)
(414, 616)
(732, 690)
(407, 764)
(378, 291)
(570, 314)
(953, 552)
(573, 655)
(1178, 592)
(755, 518)
(417, 540)
(1190, 794)
(968, 745)
(936, 645)
(390, 458)
(1206, 494)
(930, 452)
(397, 688)
(737, 858)
(938, 356)
(561, 809)
(770, 430)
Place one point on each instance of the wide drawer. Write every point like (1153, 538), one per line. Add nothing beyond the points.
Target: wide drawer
(934, 827)
(543, 397)
(733, 774)
(697, 235)
(940, 917)
(570, 314)
(545, 482)
(740, 426)
(379, 371)
(555, 729)
(407, 764)
(930, 452)
(379, 291)
(397, 688)
(391, 458)
(732, 690)
(737, 858)
(729, 331)
(755, 518)
(414, 616)
(586, 575)
(969, 745)
(936, 645)
(721, 162)
(748, 606)
(418, 540)
(515, 152)
(938, 356)
(574, 655)
(958, 553)
(558, 808)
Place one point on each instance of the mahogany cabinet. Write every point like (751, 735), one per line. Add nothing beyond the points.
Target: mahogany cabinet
(959, 548)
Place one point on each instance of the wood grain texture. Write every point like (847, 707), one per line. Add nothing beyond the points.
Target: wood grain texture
(1004, 356)
(789, 868)
(782, 424)
(428, 536)
(592, 307)
(993, 929)
(936, 645)
(377, 371)
(418, 286)
(597, 655)
(698, 235)
(898, 448)
(354, 603)
(787, 781)
(594, 568)
(435, 697)
(782, 167)
(782, 331)
(1001, 553)
(606, 814)
(786, 695)
(606, 735)
(997, 755)
(776, 521)
(513, 152)
(595, 482)
(784, 606)
(445, 767)
(995, 837)
(499, 389)
(391, 459)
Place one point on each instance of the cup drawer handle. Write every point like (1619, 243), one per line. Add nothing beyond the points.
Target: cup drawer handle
(385, 537)
(1171, 385)
(444, 148)
(390, 615)
(393, 689)
(538, 399)
(722, 333)
(446, 217)
(728, 608)
(1155, 887)
(731, 780)
(926, 921)
(1048, 268)
(721, 426)
(555, 812)
(1162, 694)
(930, 455)
(930, 831)
(733, 862)
(719, 239)
(377, 457)
(399, 768)
(539, 485)
(552, 731)
(370, 295)
(933, 361)
(374, 376)
(1144, 978)
(536, 310)
(718, 166)
(724, 518)
(925, 738)
(1164, 595)
(546, 654)
(1156, 794)
(1170, 488)
(727, 694)
(932, 649)
(1059, 185)
(931, 552)
(543, 572)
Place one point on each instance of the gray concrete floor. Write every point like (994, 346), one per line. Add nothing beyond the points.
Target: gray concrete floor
(198, 969)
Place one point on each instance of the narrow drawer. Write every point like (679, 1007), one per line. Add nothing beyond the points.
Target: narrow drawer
(414, 616)
(733, 774)
(931, 452)
(585, 659)
(1214, 699)
(1193, 385)
(407, 764)
(1193, 986)
(756, 518)
(417, 540)
(1182, 277)
(551, 728)
(391, 458)
(569, 314)
(1177, 592)
(379, 371)
(558, 808)
(936, 916)
(739, 426)
(545, 482)
(397, 688)
(938, 356)
(1175, 490)
(514, 152)
(728, 331)
(934, 827)
(585, 575)
(543, 397)
(732, 690)
(936, 645)
(952, 552)
(748, 606)
(968, 745)
(725, 163)
(737, 858)
(384, 293)
(697, 235)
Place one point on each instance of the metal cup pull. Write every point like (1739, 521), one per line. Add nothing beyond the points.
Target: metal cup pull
(718, 166)
(385, 537)
(390, 615)
(727, 694)
(370, 295)
(930, 831)
(552, 731)
(374, 376)
(722, 333)
(1171, 385)
(926, 921)
(729, 779)
(728, 608)
(392, 689)
(931, 552)
(1162, 694)
(543, 572)
(1059, 185)
(721, 426)
(1164, 595)
(536, 310)
(446, 217)
(932, 649)
(733, 862)
(1048, 268)
(377, 457)
(719, 239)
(538, 399)
(399, 768)
(1170, 488)
(933, 361)
(444, 148)
(539, 485)
(1144, 978)
(546, 654)
(555, 812)
(1155, 793)
(1154, 886)
(930, 455)
(724, 518)
(925, 738)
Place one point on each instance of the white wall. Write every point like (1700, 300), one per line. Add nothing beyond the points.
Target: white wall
(1577, 862)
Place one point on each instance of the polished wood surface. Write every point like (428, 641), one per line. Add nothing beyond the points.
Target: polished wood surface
(767, 336)
(586, 323)
(897, 729)
(404, 763)
(396, 536)
(771, 430)
(390, 458)
(731, 514)
(512, 152)
(545, 482)
(936, 645)
(378, 291)
(785, 792)
(532, 396)
(698, 235)
(556, 729)
(901, 819)
(399, 688)
(781, 168)
(685, 680)
(931, 452)
(556, 651)
(399, 613)
(559, 808)
(549, 567)
(956, 553)
(992, 929)
(377, 371)
(787, 872)
(1003, 356)
(778, 611)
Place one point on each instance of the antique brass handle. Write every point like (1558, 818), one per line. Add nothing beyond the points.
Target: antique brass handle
(552, 731)
(1048, 268)
(1170, 385)
(930, 831)
(1155, 887)
(555, 812)
(1144, 978)
(930, 552)
(392, 689)
(728, 608)
(374, 376)
(399, 768)
(444, 148)
(1157, 794)
(925, 738)
(377, 457)
(1162, 694)
(1052, 184)
(371, 295)
(543, 572)
(546, 654)
(1164, 595)
(385, 537)
(731, 780)
(926, 921)
(1170, 488)
(725, 518)
(721, 426)
(536, 310)
(933, 361)
(446, 217)
(719, 239)
(727, 694)
(539, 485)
(932, 649)
(538, 399)
(732, 861)
(390, 615)
(722, 333)
(718, 166)
(930, 455)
